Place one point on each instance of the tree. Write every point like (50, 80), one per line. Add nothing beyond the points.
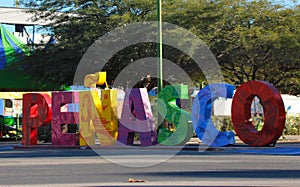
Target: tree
(259, 42)
(76, 25)
(252, 40)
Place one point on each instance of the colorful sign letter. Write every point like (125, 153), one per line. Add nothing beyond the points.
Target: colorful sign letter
(92, 119)
(36, 112)
(109, 103)
(274, 113)
(202, 109)
(137, 117)
(92, 80)
(62, 118)
(169, 109)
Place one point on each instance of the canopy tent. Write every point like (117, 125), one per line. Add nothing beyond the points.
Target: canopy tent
(10, 48)
(22, 16)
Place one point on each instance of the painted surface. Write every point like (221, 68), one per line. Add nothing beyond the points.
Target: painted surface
(137, 118)
(168, 109)
(274, 113)
(92, 119)
(12, 95)
(61, 118)
(2, 107)
(202, 110)
(109, 111)
(92, 80)
(37, 112)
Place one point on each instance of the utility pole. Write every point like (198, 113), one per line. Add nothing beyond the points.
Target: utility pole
(159, 48)
(17, 3)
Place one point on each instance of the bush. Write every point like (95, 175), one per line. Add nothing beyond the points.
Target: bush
(44, 132)
(292, 125)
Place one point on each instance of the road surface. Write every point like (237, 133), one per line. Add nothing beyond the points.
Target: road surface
(75, 167)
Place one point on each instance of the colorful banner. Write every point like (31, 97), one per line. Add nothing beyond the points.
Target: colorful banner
(10, 48)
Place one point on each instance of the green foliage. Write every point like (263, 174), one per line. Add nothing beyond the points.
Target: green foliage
(80, 24)
(222, 123)
(252, 40)
(292, 125)
(259, 43)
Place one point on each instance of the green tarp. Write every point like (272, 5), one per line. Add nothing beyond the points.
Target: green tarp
(11, 48)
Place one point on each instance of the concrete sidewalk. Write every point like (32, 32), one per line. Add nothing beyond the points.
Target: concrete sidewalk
(285, 139)
(195, 144)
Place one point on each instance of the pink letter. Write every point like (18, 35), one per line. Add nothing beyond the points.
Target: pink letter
(60, 118)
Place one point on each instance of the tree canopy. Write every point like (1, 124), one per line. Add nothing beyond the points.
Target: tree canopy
(251, 40)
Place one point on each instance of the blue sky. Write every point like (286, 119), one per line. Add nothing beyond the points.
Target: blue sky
(7, 3)
(11, 3)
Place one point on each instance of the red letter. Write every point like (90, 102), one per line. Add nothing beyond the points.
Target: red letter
(36, 112)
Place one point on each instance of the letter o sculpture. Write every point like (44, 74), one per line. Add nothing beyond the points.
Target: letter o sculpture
(274, 113)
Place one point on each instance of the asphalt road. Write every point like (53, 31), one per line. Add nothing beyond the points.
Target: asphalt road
(73, 167)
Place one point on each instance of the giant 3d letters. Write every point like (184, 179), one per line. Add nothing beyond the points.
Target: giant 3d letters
(97, 115)
(90, 108)
(109, 111)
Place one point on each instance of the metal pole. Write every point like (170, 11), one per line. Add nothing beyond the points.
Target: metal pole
(159, 48)
(33, 33)
(17, 126)
(160, 58)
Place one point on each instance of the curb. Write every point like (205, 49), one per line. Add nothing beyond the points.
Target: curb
(187, 147)
(193, 145)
